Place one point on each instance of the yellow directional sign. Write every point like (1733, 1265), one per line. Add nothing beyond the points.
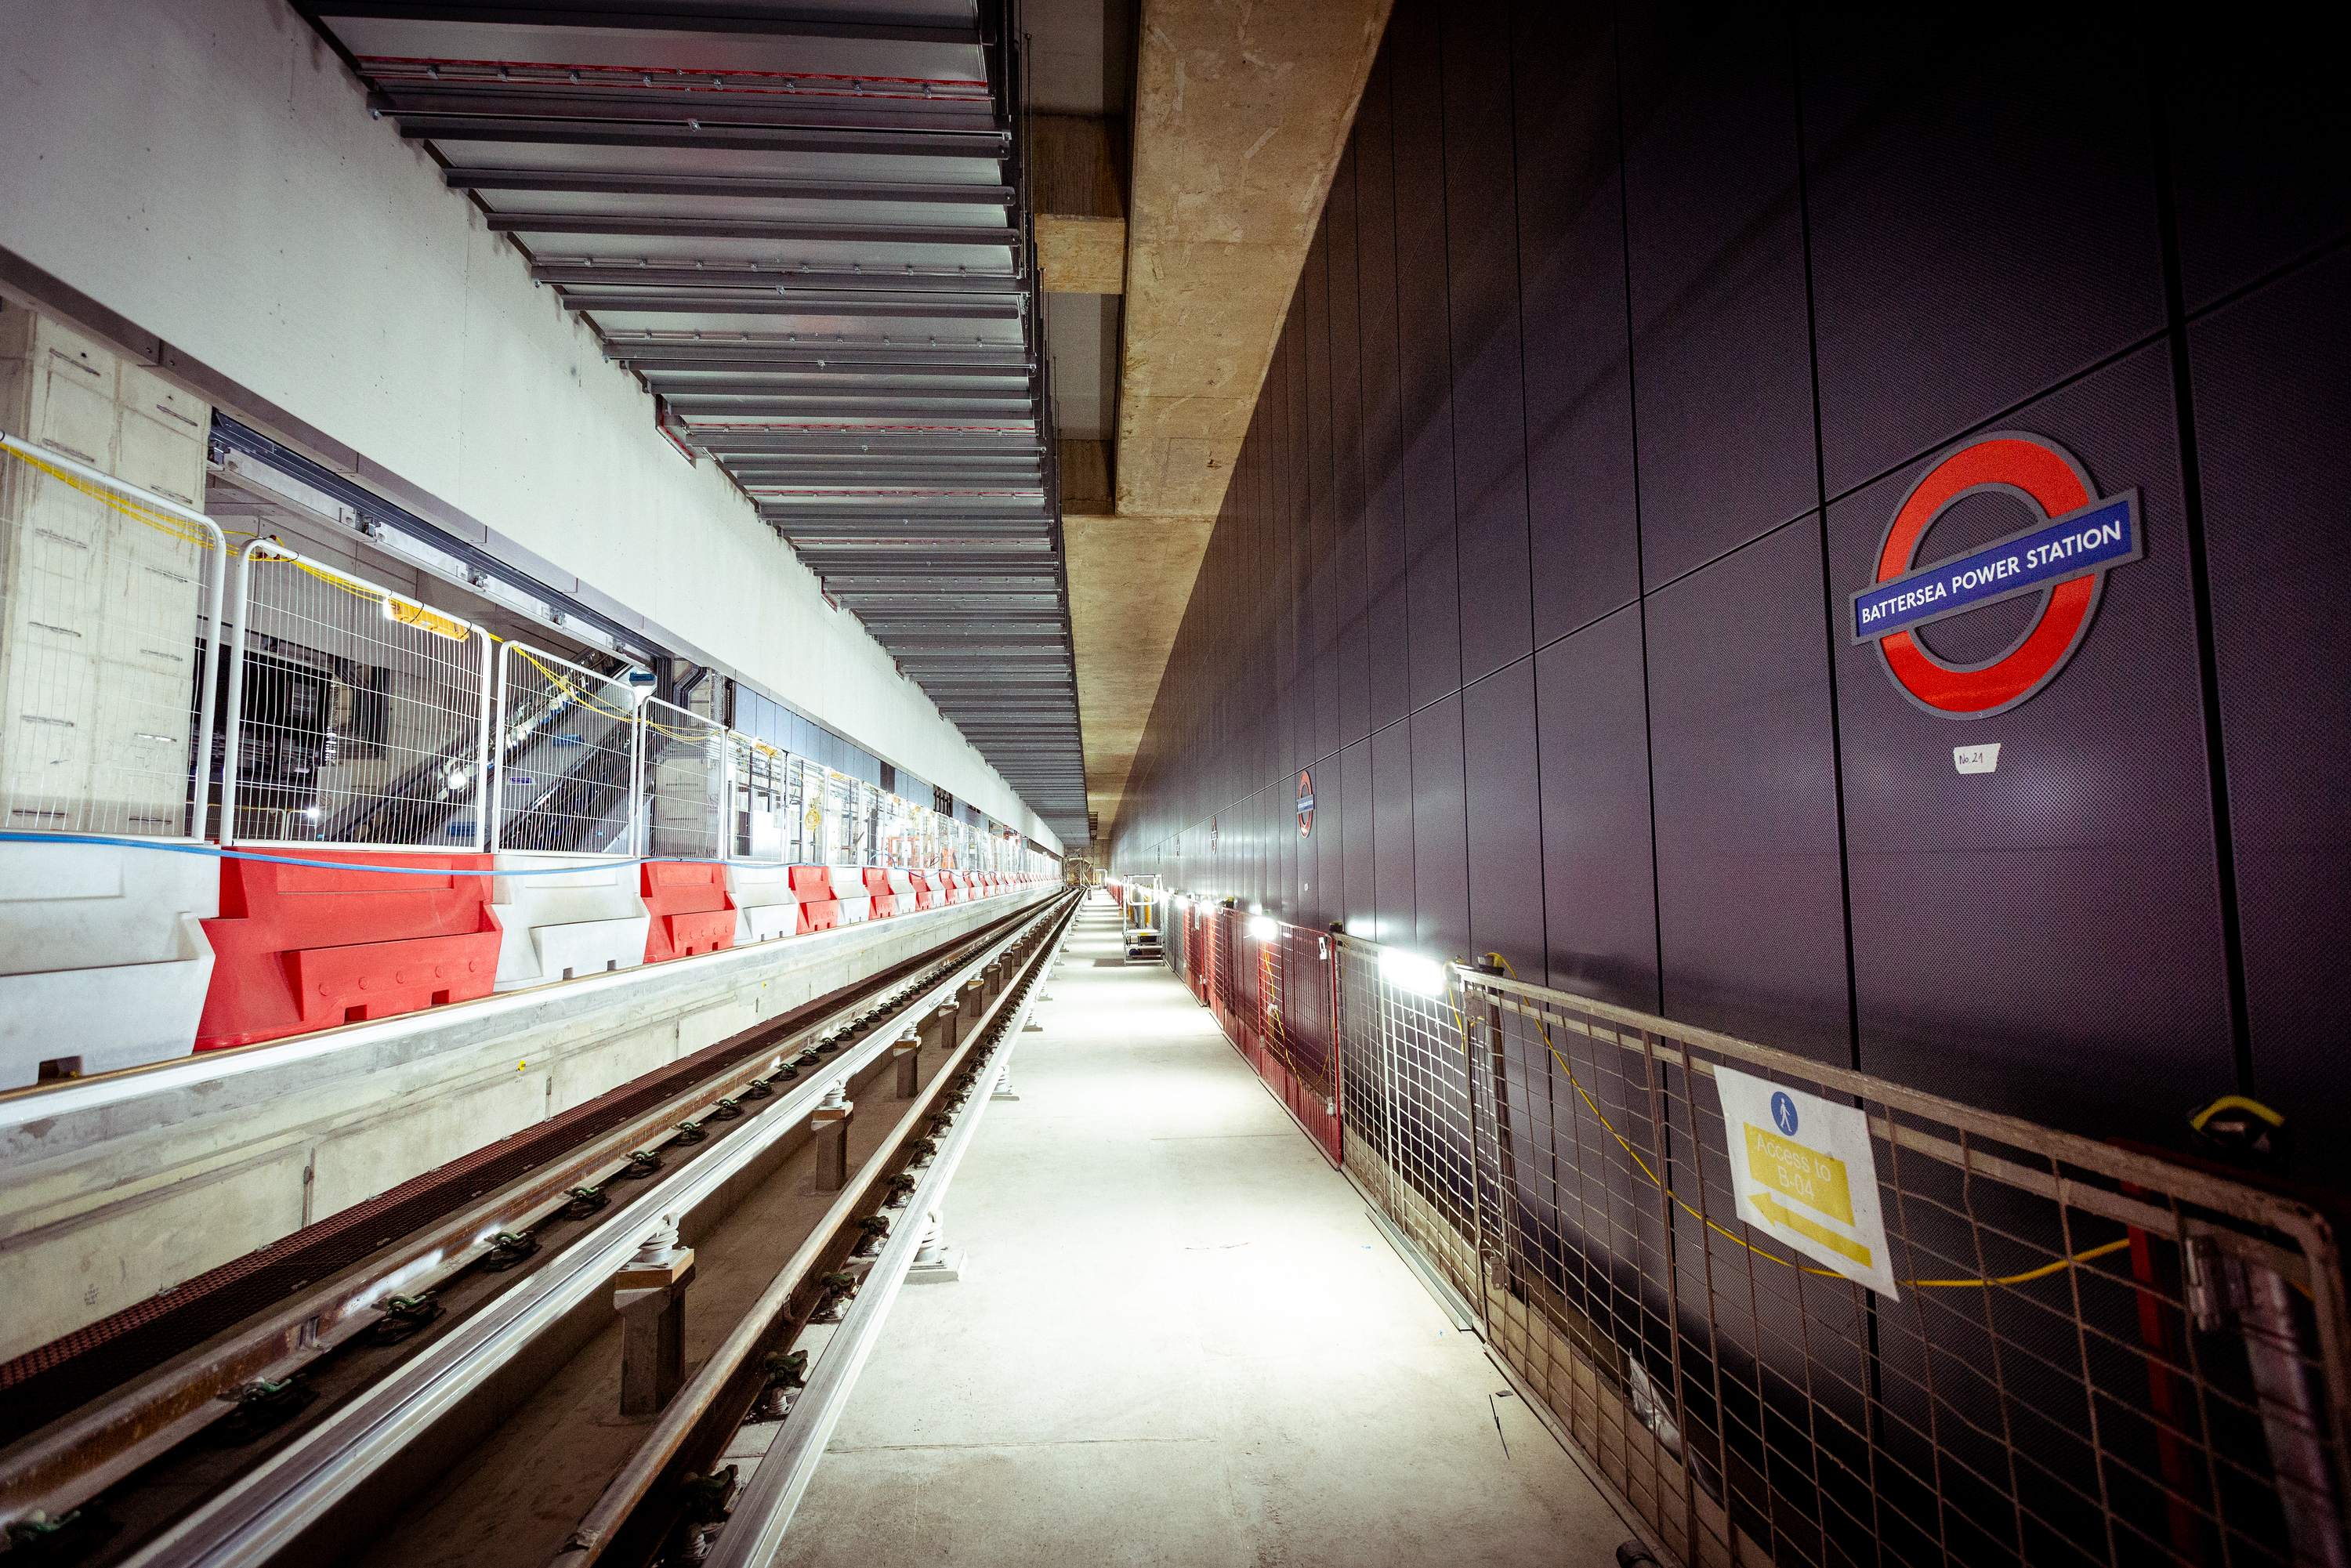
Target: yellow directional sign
(1803, 1173)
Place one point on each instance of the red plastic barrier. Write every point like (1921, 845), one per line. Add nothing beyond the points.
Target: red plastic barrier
(298, 949)
(824, 916)
(926, 890)
(884, 896)
(692, 910)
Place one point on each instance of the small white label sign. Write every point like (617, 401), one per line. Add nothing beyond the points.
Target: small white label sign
(1806, 1175)
(1981, 758)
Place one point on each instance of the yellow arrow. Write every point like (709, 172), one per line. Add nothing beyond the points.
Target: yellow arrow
(1787, 1219)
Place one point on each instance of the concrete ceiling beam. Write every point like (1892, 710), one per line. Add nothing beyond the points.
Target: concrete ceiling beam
(1241, 115)
(1079, 184)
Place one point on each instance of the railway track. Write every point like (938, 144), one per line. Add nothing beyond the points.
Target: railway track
(331, 1405)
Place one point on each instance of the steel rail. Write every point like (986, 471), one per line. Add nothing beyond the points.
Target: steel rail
(754, 1530)
(269, 1509)
(703, 1397)
(90, 1450)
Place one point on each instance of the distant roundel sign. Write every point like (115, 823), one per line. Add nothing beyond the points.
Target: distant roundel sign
(1305, 805)
(2064, 558)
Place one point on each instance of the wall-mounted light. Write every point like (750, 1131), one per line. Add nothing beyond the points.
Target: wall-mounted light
(1262, 928)
(1411, 972)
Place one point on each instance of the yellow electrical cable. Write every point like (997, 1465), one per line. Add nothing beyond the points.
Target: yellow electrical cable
(2030, 1274)
(179, 528)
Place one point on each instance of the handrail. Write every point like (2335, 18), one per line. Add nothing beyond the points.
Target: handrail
(1454, 1077)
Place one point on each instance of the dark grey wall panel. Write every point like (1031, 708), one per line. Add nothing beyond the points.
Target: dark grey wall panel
(1583, 528)
(1503, 795)
(1299, 520)
(1392, 815)
(1750, 909)
(1481, 264)
(1991, 236)
(1721, 370)
(1599, 884)
(2056, 921)
(1432, 572)
(1320, 539)
(1349, 568)
(2273, 400)
(1440, 846)
(1958, 267)
(1361, 909)
(1285, 527)
(2261, 150)
(1385, 544)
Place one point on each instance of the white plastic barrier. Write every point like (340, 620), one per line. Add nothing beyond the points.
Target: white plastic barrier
(848, 887)
(62, 902)
(589, 922)
(767, 906)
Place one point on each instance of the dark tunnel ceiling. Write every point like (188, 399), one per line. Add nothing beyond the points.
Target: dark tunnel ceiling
(804, 230)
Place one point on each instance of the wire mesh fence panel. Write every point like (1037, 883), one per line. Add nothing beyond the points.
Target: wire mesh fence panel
(1406, 1116)
(761, 808)
(1361, 1053)
(1302, 983)
(684, 777)
(1226, 930)
(360, 716)
(565, 747)
(107, 598)
(2080, 1352)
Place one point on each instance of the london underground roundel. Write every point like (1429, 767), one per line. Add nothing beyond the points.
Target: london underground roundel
(2063, 558)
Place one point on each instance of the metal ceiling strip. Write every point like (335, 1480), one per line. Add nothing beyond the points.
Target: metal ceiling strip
(588, 127)
(775, 28)
(828, 282)
(974, 237)
(644, 182)
(718, 302)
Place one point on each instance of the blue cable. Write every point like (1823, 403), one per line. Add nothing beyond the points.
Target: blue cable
(180, 847)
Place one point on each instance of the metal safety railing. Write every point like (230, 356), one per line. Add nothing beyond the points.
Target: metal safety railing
(682, 775)
(335, 710)
(357, 714)
(2067, 1351)
(108, 598)
(566, 744)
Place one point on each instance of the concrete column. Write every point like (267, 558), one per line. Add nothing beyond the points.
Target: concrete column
(829, 1125)
(940, 1028)
(902, 1052)
(649, 1293)
(992, 976)
(974, 1002)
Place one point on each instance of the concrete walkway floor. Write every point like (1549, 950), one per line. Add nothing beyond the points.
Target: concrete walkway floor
(1179, 1340)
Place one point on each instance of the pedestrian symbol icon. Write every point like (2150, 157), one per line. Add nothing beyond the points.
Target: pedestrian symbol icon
(1783, 1112)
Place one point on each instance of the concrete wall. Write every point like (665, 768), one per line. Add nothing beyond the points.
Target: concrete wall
(211, 173)
(1621, 342)
(114, 1189)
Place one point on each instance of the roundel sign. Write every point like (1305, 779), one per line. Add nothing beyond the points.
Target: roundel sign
(2062, 559)
(1306, 805)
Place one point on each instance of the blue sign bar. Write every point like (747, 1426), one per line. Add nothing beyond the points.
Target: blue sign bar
(2101, 535)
